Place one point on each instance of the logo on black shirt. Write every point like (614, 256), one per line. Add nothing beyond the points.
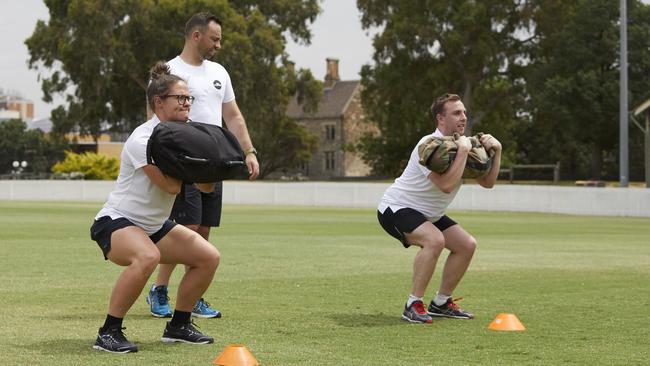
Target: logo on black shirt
(217, 84)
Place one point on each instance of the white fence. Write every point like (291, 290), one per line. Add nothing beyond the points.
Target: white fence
(505, 197)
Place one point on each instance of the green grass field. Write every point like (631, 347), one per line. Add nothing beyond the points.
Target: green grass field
(325, 286)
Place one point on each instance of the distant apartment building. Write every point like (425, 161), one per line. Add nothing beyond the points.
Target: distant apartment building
(13, 106)
(109, 144)
(339, 123)
(6, 114)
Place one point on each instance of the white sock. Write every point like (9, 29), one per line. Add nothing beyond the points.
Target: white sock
(440, 299)
(412, 299)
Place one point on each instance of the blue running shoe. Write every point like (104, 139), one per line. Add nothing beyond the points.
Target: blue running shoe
(202, 309)
(159, 302)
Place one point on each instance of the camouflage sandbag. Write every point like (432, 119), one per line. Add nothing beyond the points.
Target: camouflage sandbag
(437, 154)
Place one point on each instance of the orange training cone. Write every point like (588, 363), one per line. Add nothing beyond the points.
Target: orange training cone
(507, 322)
(236, 355)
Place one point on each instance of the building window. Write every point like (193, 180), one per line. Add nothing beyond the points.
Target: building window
(330, 162)
(330, 132)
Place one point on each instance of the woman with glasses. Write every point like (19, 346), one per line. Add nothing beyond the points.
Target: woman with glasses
(133, 230)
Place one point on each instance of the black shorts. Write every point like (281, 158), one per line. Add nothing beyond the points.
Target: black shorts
(193, 207)
(405, 220)
(104, 227)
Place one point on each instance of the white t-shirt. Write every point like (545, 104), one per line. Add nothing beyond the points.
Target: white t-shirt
(413, 189)
(135, 197)
(211, 86)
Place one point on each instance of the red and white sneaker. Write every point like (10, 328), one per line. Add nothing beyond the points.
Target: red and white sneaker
(416, 313)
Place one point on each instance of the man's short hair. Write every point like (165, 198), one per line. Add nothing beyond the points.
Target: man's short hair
(438, 105)
(200, 21)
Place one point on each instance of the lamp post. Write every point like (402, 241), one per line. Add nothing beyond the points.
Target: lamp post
(19, 166)
(623, 108)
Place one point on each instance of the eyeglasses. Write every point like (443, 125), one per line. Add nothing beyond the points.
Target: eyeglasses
(182, 99)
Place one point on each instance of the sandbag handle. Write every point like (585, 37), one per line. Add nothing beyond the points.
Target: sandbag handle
(490, 152)
(190, 159)
(476, 142)
(233, 163)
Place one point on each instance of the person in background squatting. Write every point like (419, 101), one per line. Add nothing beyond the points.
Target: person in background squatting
(412, 210)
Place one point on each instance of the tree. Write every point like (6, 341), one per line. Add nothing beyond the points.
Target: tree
(573, 83)
(19, 144)
(427, 48)
(98, 53)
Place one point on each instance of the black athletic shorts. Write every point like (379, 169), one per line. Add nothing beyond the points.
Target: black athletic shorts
(193, 207)
(405, 220)
(104, 227)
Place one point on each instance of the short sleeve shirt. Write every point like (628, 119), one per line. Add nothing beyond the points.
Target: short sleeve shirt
(413, 189)
(135, 197)
(209, 84)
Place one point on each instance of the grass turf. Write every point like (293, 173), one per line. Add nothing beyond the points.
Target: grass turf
(326, 286)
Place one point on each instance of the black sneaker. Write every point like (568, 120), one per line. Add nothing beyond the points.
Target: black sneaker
(113, 340)
(449, 310)
(416, 313)
(185, 333)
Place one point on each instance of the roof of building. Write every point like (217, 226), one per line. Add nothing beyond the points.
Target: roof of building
(43, 124)
(331, 105)
(13, 98)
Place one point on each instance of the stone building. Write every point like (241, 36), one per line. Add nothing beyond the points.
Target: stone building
(339, 124)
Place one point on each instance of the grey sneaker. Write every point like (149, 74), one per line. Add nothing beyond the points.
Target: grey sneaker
(113, 340)
(184, 333)
(449, 309)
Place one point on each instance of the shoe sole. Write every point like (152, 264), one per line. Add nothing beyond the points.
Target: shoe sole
(206, 316)
(449, 316)
(161, 316)
(177, 340)
(406, 318)
(100, 348)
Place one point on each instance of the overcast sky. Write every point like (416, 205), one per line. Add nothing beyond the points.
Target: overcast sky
(336, 33)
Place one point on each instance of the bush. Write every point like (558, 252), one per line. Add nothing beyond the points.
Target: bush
(93, 166)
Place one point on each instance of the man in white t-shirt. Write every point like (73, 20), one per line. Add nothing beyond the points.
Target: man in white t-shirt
(412, 210)
(214, 95)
